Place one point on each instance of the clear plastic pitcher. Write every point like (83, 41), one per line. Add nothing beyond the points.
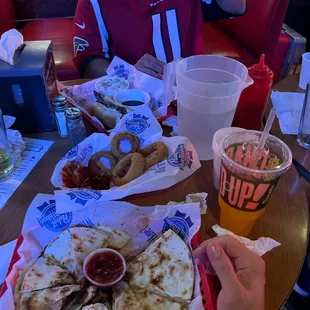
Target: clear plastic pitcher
(209, 88)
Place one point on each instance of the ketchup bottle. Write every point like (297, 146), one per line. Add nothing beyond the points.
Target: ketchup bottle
(252, 104)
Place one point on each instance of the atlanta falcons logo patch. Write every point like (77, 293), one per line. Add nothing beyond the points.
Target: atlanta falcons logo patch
(79, 45)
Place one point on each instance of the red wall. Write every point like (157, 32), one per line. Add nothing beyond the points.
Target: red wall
(7, 20)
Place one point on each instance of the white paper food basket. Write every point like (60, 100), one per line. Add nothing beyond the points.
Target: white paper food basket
(180, 164)
(42, 225)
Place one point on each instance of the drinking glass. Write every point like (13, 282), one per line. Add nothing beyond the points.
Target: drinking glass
(304, 127)
(6, 162)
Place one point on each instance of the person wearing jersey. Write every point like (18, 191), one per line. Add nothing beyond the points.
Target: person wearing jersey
(145, 33)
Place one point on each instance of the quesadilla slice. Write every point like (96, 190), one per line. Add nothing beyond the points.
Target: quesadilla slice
(96, 307)
(62, 250)
(77, 300)
(119, 237)
(49, 299)
(165, 268)
(150, 300)
(73, 245)
(124, 298)
(85, 241)
(45, 273)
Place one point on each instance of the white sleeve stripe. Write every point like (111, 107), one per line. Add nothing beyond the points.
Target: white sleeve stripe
(101, 25)
(158, 39)
(173, 30)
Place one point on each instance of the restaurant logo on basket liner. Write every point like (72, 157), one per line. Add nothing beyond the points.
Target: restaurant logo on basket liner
(179, 223)
(181, 157)
(79, 158)
(82, 196)
(120, 71)
(137, 124)
(51, 220)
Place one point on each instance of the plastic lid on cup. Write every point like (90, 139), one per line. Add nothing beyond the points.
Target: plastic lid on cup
(220, 135)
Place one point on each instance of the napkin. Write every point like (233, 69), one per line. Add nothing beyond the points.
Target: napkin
(172, 122)
(260, 246)
(10, 41)
(288, 108)
(191, 198)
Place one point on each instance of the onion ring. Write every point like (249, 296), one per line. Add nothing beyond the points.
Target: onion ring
(97, 168)
(154, 154)
(116, 141)
(129, 168)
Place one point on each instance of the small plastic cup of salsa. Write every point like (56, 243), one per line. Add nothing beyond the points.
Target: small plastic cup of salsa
(104, 267)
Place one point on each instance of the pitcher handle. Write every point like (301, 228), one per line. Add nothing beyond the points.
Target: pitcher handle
(248, 82)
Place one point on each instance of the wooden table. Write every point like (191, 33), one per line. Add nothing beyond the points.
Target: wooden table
(286, 217)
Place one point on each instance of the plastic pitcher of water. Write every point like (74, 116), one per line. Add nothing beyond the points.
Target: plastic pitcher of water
(209, 88)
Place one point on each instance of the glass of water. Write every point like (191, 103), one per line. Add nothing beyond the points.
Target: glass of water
(304, 127)
(6, 162)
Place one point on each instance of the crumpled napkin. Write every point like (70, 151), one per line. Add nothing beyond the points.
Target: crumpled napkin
(191, 198)
(288, 108)
(172, 122)
(260, 246)
(18, 146)
(10, 41)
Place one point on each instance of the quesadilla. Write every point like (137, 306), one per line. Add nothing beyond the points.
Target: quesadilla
(77, 300)
(45, 273)
(95, 307)
(165, 268)
(73, 245)
(61, 248)
(119, 237)
(49, 299)
(124, 298)
(150, 300)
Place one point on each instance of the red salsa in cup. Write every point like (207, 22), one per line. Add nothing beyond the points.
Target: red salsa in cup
(105, 268)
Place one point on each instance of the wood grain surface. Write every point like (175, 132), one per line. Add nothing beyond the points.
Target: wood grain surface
(285, 219)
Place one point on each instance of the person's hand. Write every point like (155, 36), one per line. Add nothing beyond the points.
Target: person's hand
(150, 65)
(240, 271)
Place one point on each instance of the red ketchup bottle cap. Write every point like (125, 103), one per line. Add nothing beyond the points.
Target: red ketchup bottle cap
(260, 71)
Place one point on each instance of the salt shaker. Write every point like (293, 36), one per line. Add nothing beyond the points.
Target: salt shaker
(60, 105)
(75, 126)
(304, 127)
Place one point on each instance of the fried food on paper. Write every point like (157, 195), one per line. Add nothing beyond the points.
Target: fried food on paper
(74, 175)
(154, 154)
(108, 117)
(124, 136)
(77, 176)
(97, 168)
(128, 169)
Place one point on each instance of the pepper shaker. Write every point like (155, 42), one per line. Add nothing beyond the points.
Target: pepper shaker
(75, 126)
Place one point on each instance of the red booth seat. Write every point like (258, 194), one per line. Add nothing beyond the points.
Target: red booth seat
(59, 31)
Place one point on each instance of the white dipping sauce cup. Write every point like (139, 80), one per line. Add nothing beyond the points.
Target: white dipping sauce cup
(133, 95)
(98, 252)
